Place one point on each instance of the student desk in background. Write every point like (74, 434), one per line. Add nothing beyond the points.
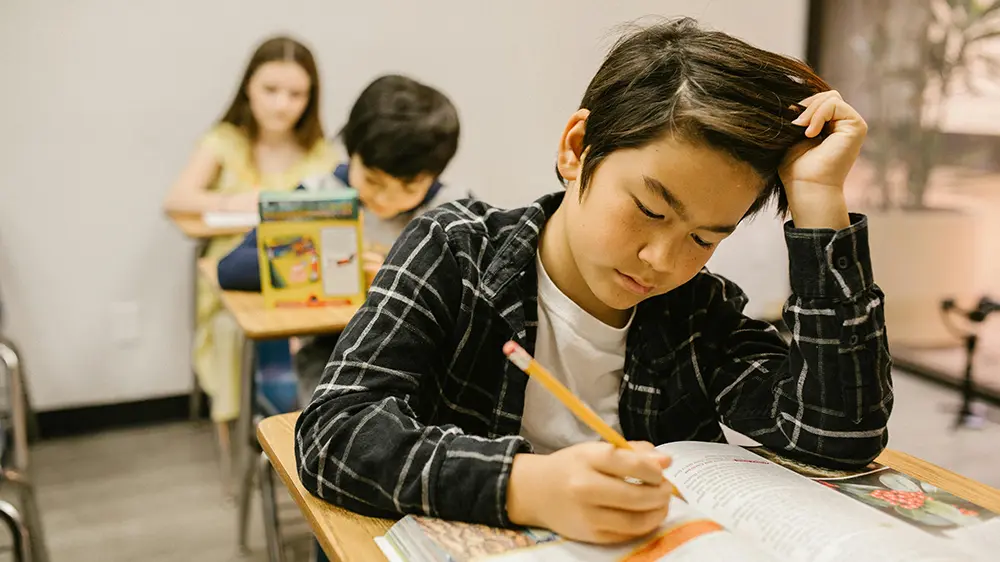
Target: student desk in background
(348, 537)
(193, 226)
(261, 323)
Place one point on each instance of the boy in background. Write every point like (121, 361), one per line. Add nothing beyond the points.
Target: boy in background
(400, 136)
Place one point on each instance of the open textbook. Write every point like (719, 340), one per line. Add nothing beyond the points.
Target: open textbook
(748, 505)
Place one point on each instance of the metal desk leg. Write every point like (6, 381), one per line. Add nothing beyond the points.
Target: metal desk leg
(243, 450)
(19, 532)
(30, 417)
(272, 530)
(21, 470)
(225, 457)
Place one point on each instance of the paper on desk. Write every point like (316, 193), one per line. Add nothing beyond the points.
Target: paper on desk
(230, 219)
(386, 547)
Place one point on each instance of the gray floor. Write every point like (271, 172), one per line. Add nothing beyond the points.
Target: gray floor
(921, 425)
(155, 494)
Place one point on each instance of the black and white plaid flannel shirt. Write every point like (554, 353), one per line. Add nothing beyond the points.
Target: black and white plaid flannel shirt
(419, 411)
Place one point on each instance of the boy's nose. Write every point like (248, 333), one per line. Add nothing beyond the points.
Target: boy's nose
(659, 255)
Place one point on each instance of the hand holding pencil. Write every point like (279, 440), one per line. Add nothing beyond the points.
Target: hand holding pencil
(587, 492)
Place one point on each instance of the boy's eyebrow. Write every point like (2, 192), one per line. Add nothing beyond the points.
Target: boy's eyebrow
(720, 228)
(661, 191)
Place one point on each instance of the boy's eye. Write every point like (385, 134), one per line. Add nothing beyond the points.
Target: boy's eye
(270, 89)
(699, 241)
(645, 210)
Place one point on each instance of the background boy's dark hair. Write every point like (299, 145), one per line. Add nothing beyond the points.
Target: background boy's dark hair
(702, 86)
(402, 127)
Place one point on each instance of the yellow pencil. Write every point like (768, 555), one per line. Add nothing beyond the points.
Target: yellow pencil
(524, 361)
(527, 363)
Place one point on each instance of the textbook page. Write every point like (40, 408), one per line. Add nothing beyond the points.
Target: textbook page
(685, 536)
(740, 506)
(790, 516)
(390, 553)
(920, 504)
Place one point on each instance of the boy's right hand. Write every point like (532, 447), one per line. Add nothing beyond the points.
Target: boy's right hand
(580, 492)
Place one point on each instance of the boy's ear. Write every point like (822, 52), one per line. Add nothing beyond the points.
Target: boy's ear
(569, 160)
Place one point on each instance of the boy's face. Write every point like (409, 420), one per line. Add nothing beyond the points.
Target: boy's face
(384, 195)
(650, 218)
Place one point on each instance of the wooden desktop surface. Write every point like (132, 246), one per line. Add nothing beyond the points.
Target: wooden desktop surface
(259, 322)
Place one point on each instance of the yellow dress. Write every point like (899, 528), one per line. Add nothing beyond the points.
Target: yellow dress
(218, 343)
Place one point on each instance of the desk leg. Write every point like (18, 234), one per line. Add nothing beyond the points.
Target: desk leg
(225, 457)
(272, 530)
(18, 475)
(244, 450)
(19, 532)
(194, 401)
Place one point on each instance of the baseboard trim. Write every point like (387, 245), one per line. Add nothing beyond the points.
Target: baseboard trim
(941, 378)
(91, 419)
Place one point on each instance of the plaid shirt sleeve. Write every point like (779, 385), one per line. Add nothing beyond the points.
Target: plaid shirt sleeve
(358, 443)
(827, 398)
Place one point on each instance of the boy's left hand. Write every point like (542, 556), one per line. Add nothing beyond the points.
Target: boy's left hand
(814, 170)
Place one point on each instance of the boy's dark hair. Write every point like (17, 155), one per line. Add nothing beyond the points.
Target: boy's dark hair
(700, 85)
(402, 127)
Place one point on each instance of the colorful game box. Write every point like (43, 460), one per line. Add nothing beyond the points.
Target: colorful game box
(310, 248)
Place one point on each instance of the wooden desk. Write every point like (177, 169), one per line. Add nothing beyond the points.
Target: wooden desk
(345, 536)
(348, 537)
(259, 323)
(194, 227)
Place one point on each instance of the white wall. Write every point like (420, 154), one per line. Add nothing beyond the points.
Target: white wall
(102, 100)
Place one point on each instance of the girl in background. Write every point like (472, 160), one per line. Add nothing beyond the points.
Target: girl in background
(269, 139)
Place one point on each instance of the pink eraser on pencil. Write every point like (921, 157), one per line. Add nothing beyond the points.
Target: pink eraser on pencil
(510, 347)
(518, 356)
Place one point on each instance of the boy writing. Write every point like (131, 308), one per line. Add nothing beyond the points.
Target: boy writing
(681, 135)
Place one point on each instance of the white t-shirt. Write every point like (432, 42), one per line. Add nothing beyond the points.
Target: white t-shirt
(586, 355)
